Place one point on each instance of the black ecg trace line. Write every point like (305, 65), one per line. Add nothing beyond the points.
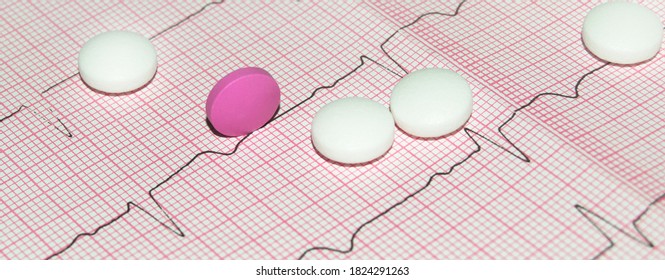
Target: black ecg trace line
(584, 211)
(459, 6)
(13, 113)
(468, 131)
(176, 229)
(67, 132)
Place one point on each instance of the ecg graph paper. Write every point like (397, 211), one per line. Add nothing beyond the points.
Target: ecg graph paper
(562, 158)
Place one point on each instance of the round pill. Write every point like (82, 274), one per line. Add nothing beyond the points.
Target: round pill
(353, 130)
(622, 32)
(243, 101)
(431, 102)
(117, 61)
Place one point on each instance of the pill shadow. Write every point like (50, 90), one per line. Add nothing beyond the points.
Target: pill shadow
(612, 63)
(219, 134)
(431, 139)
(351, 165)
(214, 131)
(120, 93)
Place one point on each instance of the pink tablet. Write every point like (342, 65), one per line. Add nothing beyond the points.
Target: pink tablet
(243, 101)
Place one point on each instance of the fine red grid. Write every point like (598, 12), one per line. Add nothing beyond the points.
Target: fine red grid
(617, 124)
(251, 212)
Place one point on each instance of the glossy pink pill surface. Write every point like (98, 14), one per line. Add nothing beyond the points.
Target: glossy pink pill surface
(243, 101)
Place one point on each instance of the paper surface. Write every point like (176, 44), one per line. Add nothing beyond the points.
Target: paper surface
(537, 172)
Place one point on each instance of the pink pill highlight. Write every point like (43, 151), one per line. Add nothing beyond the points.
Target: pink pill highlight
(243, 101)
